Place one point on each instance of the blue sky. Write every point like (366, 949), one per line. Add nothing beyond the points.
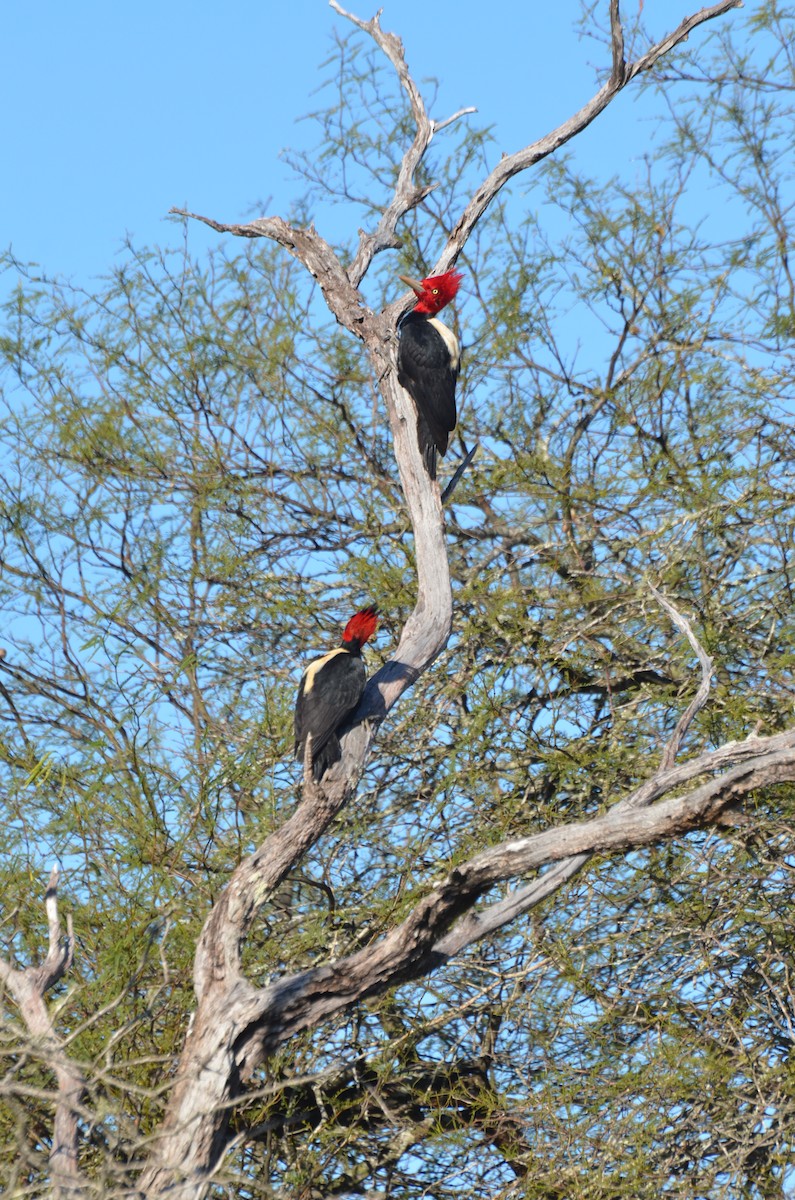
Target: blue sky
(114, 113)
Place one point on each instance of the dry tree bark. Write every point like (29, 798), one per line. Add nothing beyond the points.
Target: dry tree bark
(237, 1025)
(29, 986)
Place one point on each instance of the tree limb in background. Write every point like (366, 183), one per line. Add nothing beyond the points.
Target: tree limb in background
(29, 987)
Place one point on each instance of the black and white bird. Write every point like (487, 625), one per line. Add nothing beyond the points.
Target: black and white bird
(329, 693)
(428, 361)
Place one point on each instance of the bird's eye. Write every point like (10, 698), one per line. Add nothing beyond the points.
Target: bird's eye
(435, 292)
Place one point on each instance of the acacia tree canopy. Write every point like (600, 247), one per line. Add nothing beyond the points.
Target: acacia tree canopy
(530, 936)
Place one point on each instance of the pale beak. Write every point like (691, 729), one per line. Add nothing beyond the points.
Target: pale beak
(414, 284)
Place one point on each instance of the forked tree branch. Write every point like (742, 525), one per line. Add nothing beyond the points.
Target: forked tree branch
(29, 987)
(445, 920)
(426, 632)
(407, 194)
(620, 75)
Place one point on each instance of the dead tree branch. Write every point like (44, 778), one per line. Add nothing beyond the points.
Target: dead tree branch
(445, 921)
(621, 74)
(29, 987)
(421, 942)
(407, 194)
(700, 699)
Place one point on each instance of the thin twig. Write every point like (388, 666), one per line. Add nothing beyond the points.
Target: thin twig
(674, 743)
(462, 112)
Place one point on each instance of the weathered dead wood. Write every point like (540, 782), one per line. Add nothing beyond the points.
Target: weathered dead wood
(620, 75)
(444, 921)
(440, 924)
(417, 945)
(407, 194)
(29, 987)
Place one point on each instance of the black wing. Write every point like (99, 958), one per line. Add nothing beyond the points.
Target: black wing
(330, 690)
(429, 374)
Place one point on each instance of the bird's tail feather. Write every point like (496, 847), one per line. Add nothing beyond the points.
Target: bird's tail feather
(427, 447)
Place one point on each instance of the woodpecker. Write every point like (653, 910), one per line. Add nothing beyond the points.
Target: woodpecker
(428, 358)
(329, 692)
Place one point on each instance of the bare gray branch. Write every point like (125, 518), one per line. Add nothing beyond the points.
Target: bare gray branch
(29, 987)
(421, 942)
(513, 164)
(700, 699)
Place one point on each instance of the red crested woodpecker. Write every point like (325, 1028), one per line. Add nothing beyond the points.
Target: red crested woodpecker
(428, 359)
(329, 692)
